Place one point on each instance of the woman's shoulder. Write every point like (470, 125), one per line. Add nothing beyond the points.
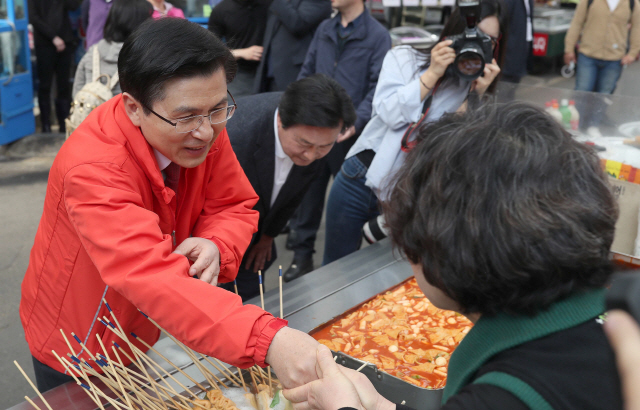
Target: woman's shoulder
(548, 365)
(406, 53)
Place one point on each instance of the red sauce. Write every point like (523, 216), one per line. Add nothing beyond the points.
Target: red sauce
(401, 332)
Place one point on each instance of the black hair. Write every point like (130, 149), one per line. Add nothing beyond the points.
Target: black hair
(124, 17)
(457, 24)
(504, 210)
(317, 100)
(169, 48)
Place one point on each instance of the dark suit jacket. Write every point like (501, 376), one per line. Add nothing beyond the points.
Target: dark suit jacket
(518, 49)
(290, 28)
(252, 135)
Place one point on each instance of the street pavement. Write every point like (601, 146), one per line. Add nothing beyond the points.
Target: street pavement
(24, 170)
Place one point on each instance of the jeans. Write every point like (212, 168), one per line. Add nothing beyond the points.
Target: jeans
(351, 204)
(595, 75)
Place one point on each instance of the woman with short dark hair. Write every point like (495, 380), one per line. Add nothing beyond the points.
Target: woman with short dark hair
(124, 17)
(509, 221)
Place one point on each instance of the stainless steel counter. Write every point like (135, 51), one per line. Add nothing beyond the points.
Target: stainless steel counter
(308, 302)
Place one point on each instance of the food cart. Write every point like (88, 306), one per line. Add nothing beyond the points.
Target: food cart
(328, 292)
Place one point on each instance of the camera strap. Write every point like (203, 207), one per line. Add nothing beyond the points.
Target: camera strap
(407, 145)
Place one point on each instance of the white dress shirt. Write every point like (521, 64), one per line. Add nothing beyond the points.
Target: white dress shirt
(529, 25)
(283, 164)
(163, 161)
(613, 4)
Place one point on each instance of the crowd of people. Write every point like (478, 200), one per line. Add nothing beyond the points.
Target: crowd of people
(218, 140)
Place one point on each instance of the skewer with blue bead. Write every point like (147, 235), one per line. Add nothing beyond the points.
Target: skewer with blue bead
(280, 283)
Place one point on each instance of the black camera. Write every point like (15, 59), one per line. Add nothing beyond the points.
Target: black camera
(473, 47)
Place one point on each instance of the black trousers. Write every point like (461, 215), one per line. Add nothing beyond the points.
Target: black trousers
(247, 280)
(50, 63)
(48, 378)
(306, 220)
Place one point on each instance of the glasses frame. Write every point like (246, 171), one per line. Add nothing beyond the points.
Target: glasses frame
(233, 106)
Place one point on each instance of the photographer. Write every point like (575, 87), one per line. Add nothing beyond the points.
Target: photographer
(507, 220)
(414, 86)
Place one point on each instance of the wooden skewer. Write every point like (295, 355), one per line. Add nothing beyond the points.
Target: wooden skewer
(83, 374)
(262, 304)
(280, 283)
(150, 361)
(264, 381)
(68, 344)
(261, 291)
(140, 395)
(244, 386)
(148, 346)
(32, 385)
(205, 372)
(216, 367)
(190, 353)
(270, 385)
(253, 379)
(235, 287)
(31, 403)
(110, 363)
(154, 384)
(229, 376)
(134, 387)
(169, 392)
(362, 367)
(69, 368)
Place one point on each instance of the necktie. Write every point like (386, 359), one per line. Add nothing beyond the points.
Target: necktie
(172, 176)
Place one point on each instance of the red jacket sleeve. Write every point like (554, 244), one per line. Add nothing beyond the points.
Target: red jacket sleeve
(228, 218)
(133, 256)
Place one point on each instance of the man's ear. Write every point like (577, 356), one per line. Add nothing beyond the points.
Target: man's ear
(133, 109)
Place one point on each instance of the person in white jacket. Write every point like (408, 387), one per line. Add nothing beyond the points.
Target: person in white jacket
(123, 18)
(409, 81)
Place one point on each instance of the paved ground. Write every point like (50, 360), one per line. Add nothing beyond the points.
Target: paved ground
(23, 174)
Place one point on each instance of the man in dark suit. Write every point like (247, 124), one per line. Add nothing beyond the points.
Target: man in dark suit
(278, 139)
(519, 40)
(290, 28)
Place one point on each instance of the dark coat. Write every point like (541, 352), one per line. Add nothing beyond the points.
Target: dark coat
(50, 18)
(252, 135)
(357, 67)
(518, 50)
(290, 28)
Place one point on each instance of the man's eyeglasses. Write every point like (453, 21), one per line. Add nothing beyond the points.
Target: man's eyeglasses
(190, 124)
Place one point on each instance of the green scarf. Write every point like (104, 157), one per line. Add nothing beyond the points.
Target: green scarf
(494, 334)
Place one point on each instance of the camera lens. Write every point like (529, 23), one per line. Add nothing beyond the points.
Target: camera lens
(469, 64)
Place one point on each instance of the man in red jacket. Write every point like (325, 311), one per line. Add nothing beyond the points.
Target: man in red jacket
(148, 183)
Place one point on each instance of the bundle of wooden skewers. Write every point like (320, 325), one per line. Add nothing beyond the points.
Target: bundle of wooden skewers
(146, 385)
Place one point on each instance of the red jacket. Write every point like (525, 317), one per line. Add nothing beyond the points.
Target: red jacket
(106, 231)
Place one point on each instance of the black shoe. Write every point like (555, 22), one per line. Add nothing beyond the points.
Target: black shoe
(298, 268)
(291, 240)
